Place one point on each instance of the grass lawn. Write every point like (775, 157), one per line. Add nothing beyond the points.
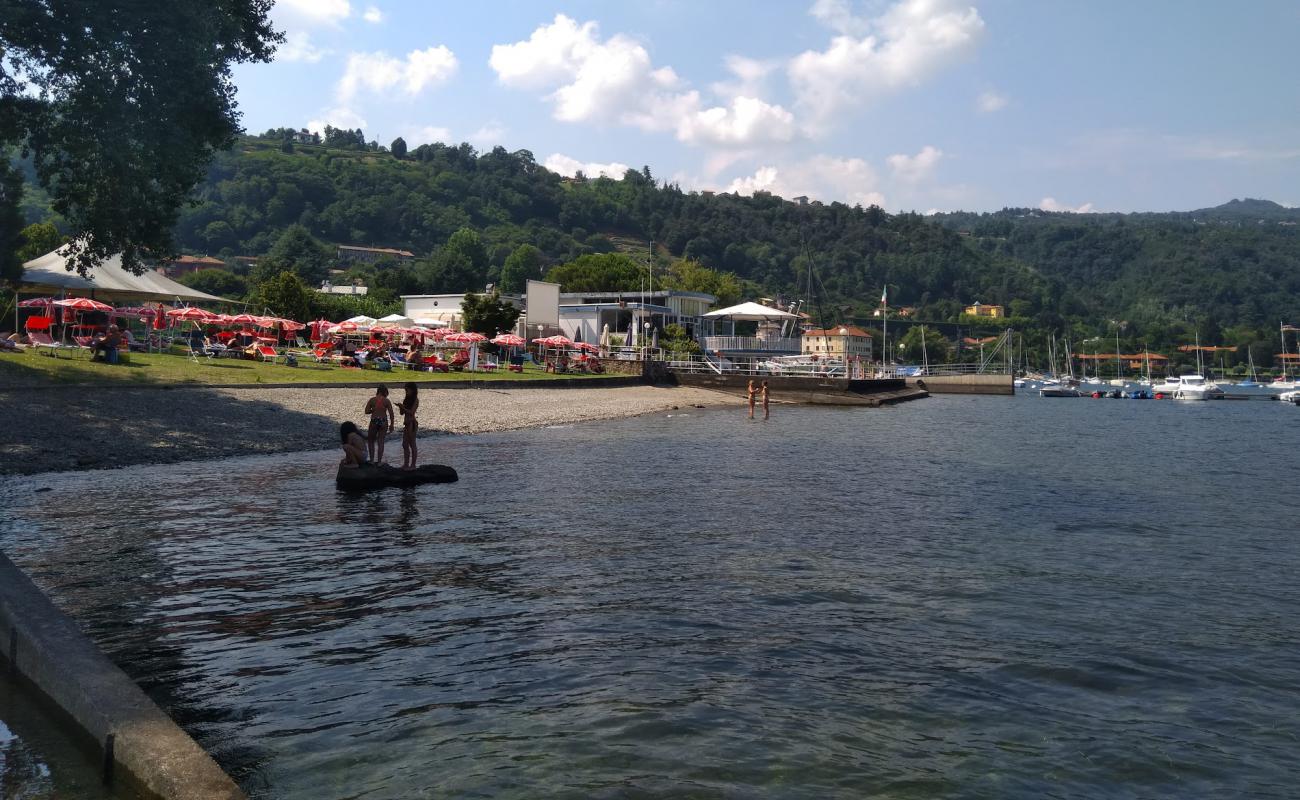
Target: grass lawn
(33, 368)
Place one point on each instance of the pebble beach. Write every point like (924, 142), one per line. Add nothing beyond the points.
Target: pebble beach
(120, 427)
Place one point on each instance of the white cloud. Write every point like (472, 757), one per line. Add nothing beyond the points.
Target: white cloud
(1051, 204)
(910, 42)
(425, 134)
(339, 117)
(567, 166)
(915, 168)
(821, 177)
(373, 15)
(614, 80)
(378, 72)
(488, 135)
(319, 12)
(990, 101)
(748, 77)
(298, 47)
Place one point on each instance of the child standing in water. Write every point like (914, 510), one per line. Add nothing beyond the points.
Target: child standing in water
(410, 427)
(380, 411)
(753, 396)
(764, 393)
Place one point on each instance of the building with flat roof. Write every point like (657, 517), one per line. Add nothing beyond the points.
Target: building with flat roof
(444, 309)
(346, 288)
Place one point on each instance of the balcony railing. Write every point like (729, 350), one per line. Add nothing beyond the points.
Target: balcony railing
(751, 343)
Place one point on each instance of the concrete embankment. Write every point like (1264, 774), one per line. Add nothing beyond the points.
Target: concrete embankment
(140, 745)
(996, 383)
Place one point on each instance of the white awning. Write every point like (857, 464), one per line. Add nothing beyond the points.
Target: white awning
(751, 311)
(108, 281)
(394, 321)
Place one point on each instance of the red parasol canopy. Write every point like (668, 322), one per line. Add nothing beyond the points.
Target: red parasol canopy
(37, 302)
(190, 313)
(344, 327)
(508, 340)
(465, 337)
(83, 304)
(554, 341)
(586, 346)
(243, 319)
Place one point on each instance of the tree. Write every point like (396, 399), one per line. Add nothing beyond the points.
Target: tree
(692, 276)
(39, 238)
(296, 251)
(460, 266)
(605, 272)
(398, 148)
(676, 341)
(523, 263)
(936, 346)
(488, 314)
(286, 295)
(216, 281)
(11, 241)
(120, 108)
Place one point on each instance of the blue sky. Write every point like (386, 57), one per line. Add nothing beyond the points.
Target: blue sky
(912, 104)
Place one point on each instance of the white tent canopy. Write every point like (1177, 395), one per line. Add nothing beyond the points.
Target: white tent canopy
(362, 321)
(394, 321)
(752, 311)
(108, 281)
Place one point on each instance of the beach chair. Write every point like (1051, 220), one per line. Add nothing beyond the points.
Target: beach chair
(399, 360)
(266, 352)
(197, 349)
(44, 344)
(487, 364)
(516, 364)
(459, 360)
(435, 364)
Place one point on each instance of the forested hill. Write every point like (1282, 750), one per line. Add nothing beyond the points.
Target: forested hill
(1156, 275)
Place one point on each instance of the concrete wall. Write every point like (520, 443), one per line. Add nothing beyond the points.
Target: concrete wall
(140, 744)
(965, 384)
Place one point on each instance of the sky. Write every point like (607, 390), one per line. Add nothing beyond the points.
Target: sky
(914, 105)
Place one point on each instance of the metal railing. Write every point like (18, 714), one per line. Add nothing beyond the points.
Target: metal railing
(776, 345)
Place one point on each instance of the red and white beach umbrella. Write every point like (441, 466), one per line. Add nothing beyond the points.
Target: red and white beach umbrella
(508, 340)
(587, 346)
(83, 304)
(244, 319)
(190, 314)
(344, 327)
(465, 337)
(37, 302)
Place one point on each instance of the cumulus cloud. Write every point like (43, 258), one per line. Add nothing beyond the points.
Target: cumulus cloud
(373, 15)
(298, 47)
(488, 135)
(1051, 204)
(378, 72)
(567, 166)
(911, 41)
(821, 177)
(915, 168)
(748, 77)
(988, 102)
(319, 12)
(425, 134)
(339, 117)
(602, 80)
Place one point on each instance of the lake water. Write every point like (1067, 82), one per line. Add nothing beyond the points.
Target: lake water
(960, 597)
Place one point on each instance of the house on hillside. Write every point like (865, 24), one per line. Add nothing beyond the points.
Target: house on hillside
(369, 255)
(981, 310)
(348, 288)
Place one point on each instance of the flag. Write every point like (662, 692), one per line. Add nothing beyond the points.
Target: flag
(884, 295)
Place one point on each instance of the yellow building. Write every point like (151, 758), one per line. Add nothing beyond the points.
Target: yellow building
(841, 341)
(980, 310)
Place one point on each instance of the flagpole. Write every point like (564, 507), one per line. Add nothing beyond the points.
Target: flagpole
(884, 315)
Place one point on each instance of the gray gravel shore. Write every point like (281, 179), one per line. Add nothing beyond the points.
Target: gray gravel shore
(52, 429)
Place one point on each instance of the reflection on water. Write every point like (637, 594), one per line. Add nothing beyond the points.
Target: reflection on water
(966, 597)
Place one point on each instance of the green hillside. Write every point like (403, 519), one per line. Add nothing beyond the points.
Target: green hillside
(1229, 272)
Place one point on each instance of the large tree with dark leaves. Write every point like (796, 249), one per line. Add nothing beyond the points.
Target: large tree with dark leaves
(120, 106)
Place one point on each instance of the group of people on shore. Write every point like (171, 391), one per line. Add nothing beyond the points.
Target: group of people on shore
(379, 410)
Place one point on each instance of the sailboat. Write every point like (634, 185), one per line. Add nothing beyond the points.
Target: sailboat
(1284, 382)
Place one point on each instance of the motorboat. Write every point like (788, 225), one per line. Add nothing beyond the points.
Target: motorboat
(1196, 387)
(1054, 388)
(1292, 396)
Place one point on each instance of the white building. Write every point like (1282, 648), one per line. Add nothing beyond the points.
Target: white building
(444, 309)
(584, 315)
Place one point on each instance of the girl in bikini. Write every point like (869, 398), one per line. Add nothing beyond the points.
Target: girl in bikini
(410, 427)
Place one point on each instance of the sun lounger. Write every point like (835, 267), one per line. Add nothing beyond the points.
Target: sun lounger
(266, 352)
(399, 360)
(435, 364)
(43, 342)
(459, 361)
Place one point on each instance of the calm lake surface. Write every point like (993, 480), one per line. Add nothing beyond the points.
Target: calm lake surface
(960, 597)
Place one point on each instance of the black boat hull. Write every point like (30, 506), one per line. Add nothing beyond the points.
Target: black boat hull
(380, 476)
